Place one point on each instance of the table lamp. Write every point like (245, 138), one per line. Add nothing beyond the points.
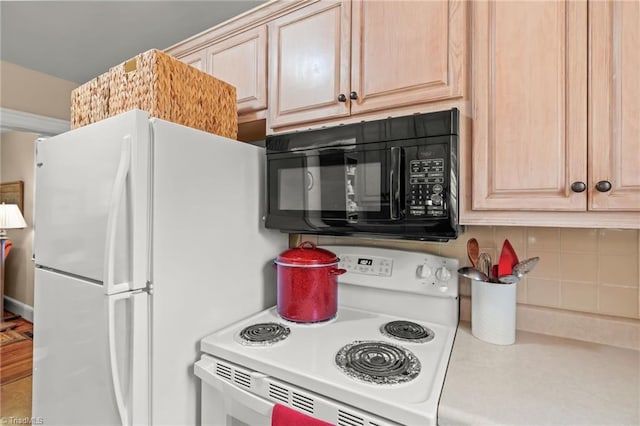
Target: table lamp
(10, 218)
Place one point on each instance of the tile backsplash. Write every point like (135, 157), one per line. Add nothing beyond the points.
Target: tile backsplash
(586, 270)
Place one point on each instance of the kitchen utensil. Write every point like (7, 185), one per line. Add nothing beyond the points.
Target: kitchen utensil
(519, 270)
(484, 263)
(508, 279)
(473, 273)
(525, 266)
(307, 283)
(473, 251)
(508, 259)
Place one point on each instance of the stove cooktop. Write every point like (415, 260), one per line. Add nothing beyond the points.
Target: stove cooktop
(314, 357)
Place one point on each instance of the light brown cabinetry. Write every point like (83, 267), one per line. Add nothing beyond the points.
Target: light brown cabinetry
(241, 61)
(196, 59)
(308, 63)
(555, 109)
(614, 104)
(338, 58)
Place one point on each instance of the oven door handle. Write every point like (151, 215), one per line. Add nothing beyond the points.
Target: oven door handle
(394, 182)
(239, 402)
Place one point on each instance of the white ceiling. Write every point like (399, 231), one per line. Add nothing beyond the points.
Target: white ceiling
(79, 40)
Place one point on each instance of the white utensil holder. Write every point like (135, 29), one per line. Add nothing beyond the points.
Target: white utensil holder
(493, 312)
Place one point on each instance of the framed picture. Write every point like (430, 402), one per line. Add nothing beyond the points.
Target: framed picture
(12, 193)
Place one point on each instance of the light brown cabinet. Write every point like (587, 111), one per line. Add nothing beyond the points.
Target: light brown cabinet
(240, 60)
(308, 63)
(614, 105)
(556, 109)
(339, 58)
(196, 59)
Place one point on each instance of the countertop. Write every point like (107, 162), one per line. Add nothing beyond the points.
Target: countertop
(539, 380)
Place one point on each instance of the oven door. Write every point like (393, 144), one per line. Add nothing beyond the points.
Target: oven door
(232, 395)
(223, 403)
(334, 187)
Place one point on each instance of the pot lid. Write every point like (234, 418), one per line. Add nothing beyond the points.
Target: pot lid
(307, 254)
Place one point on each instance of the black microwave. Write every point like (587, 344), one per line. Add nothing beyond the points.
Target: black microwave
(396, 177)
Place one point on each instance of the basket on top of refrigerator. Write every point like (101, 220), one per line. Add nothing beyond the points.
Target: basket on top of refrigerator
(164, 87)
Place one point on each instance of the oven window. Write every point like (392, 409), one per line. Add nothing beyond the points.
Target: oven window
(355, 187)
(365, 182)
(330, 188)
(291, 185)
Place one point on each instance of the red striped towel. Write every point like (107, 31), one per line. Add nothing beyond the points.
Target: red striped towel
(285, 416)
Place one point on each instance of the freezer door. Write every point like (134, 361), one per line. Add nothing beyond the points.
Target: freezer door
(90, 353)
(91, 202)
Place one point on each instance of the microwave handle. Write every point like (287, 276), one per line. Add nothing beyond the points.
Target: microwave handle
(394, 182)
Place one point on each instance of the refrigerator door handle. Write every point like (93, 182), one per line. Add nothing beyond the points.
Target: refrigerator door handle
(113, 359)
(140, 355)
(124, 167)
(135, 409)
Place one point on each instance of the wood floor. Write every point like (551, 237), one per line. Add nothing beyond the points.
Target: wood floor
(16, 367)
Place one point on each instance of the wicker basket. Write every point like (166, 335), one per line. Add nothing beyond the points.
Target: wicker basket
(164, 87)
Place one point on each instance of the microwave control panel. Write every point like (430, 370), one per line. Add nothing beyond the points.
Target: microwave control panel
(426, 195)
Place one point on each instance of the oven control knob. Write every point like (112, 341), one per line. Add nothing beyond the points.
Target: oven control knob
(443, 274)
(424, 271)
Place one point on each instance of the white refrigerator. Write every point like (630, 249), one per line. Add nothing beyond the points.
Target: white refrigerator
(148, 236)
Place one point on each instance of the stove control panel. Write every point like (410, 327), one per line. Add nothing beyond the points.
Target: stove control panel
(401, 283)
(399, 270)
(369, 265)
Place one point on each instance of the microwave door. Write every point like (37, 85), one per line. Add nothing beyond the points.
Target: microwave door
(312, 193)
(375, 180)
(312, 185)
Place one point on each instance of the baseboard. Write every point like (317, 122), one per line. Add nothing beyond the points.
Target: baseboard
(17, 307)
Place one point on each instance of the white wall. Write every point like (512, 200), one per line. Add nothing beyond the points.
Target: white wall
(29, 91)
(25, 90)
(17, 155)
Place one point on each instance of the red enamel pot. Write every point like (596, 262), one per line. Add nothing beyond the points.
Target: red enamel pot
(307, 283)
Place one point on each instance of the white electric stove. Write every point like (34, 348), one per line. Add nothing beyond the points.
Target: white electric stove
(381, 361)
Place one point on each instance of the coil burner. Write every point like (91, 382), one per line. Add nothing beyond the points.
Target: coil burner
(266, 333)
(407, 331)
(378, 362)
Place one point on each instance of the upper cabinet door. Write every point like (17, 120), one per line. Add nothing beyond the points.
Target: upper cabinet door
(529, 105)
(242, 61)
(196, 59)
(614, 105)
(309, 54)
(406, 53)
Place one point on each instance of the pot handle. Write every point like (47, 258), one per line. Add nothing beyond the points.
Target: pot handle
(307, 244)
(337, 271)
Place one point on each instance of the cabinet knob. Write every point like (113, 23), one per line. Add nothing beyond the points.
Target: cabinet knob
(353, 95)
(342, 98)
(578, 186)
(603, 186)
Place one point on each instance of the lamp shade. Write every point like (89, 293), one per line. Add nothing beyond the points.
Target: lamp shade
(10, 217)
